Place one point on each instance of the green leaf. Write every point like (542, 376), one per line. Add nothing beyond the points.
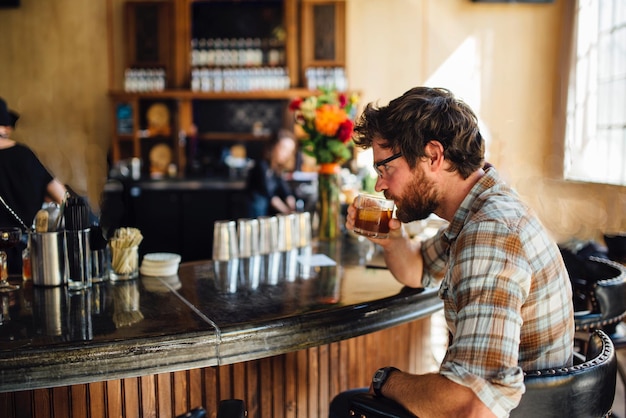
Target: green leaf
(325, 156)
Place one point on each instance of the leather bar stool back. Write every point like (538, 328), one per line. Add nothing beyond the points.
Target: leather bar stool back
(602, 284)
(585, 390)
(582, 391)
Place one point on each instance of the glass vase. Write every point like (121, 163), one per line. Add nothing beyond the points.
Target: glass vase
(328, 202)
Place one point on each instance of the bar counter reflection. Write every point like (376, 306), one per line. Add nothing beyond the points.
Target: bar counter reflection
(153, 325)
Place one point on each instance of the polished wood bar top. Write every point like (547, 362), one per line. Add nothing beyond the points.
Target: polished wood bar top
(52, 337)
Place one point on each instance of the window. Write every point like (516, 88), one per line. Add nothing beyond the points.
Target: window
(595, 131)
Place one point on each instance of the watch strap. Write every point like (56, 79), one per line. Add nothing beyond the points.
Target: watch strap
(380, 377)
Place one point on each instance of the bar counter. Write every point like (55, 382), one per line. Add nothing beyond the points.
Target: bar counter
(50, 337)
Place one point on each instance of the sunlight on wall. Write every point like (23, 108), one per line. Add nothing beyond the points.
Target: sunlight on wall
(465, 84)
(461, 74)
(503, 61)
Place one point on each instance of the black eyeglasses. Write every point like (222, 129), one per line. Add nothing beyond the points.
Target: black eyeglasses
(385, 162)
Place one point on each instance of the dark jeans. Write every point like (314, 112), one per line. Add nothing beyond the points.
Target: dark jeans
(340, 405)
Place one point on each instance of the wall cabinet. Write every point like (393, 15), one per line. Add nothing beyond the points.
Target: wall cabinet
(148, 29)
(174, 215)
(219, 72)
(323, 34)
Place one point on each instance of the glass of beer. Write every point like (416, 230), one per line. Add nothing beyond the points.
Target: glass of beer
(372, 215)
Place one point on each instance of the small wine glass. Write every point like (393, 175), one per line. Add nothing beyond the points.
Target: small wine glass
(9, 237)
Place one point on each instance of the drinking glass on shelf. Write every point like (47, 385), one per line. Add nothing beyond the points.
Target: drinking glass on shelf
(9, 237)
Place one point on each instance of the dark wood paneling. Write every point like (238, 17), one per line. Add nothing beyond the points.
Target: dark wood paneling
(294, 385)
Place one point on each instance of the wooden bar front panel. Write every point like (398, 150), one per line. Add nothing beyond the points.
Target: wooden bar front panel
(294, 385)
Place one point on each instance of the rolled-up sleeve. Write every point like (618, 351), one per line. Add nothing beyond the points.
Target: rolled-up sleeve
(491, 280)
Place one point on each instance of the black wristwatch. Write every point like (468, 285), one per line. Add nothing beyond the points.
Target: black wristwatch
(380, 377)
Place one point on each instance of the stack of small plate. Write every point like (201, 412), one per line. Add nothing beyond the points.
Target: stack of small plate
(160, 264)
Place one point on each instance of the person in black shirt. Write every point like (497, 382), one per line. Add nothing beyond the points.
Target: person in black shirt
(268, 191)
(24, 184)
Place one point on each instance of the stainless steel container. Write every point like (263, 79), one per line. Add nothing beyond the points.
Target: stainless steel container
(50, 306)
(48, 261)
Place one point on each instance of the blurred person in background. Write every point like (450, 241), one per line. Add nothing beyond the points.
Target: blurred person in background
(268, 191)
(25, 184)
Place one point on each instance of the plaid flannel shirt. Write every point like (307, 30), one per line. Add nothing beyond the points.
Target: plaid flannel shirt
(506, 292)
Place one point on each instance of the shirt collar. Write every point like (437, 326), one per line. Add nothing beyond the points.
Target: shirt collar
(486, 182)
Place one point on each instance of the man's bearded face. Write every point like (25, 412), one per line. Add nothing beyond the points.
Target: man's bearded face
(418, 201)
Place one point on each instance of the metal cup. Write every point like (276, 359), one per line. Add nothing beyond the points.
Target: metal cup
(248, 237)
(268, 234)
(268, 246)
(50, 304)
(305, 270)
(225, 245)
(303, 225)
(48, 258)
(285, 232)
(287, 245)
(250, 272)
(249, 252)
(270, 268)
(226, 275)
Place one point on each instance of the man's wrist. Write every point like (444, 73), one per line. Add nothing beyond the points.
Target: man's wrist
(380, 377)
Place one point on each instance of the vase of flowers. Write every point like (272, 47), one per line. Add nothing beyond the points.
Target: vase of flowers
(327, 120)
(328, 201)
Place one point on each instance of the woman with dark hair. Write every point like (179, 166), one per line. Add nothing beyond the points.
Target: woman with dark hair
(268, 191)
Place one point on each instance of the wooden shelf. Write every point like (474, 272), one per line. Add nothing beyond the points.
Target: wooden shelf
(232, 136)
(164, 42)
(198, 95)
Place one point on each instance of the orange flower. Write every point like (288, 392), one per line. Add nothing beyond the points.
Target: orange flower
(326, 118)
(329, 118)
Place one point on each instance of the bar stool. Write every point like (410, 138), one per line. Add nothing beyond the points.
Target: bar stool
(585, 390)
(602, 284)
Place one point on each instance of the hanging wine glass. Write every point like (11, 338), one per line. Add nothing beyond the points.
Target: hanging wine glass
(9, 237)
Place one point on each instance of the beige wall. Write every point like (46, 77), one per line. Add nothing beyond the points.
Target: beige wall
(54, 73)
(503, 59)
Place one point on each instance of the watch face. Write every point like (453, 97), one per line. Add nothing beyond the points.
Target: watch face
(378, 376)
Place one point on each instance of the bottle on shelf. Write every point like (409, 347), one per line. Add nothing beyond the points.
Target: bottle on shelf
(195, 53)
(238, 64)
(144, 79)
(331, 77)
